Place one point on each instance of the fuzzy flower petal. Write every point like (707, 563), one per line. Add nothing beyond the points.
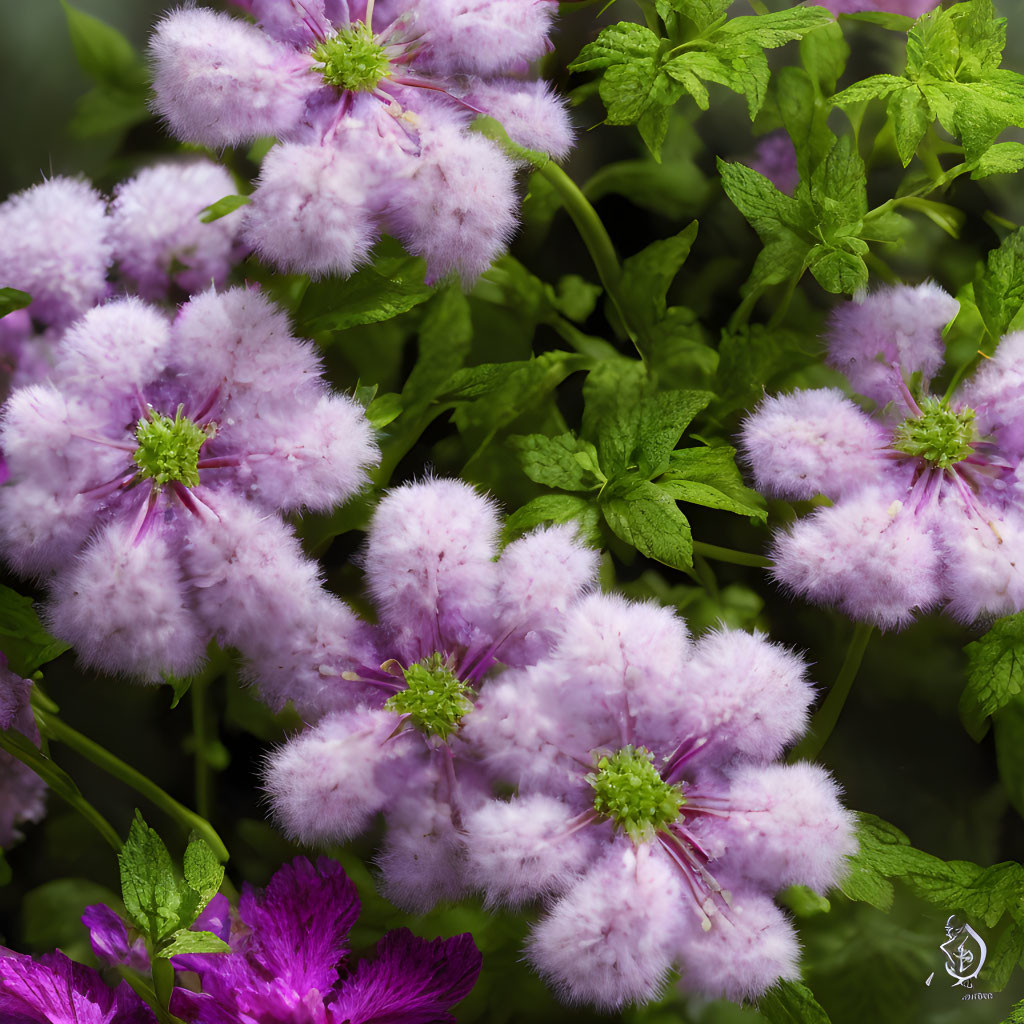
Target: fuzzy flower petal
(22, 792)
(812, 442)
(56, 248)
(533, 115)
(891, 331)
(994, 391)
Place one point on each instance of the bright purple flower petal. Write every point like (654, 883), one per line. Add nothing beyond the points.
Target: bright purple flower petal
(22, 792)
(108, 935)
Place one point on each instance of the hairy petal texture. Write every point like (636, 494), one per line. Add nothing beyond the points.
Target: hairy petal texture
(219, 81)
(868, 556)
(158, 237)
(994, 391)
(894, 330)
(605, 943)
(533, 115)
(310, 211)
(56, 248)
(812, 442)
(455, 204)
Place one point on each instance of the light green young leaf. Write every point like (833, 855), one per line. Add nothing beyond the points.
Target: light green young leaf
(642, 515)
(999, 289)
(995, 673)
(875, 87)
(223, 207)
(710, 476)
(384, 409)
(664, 415)
(911, 118)
(771, 30)
(824, 53)
(838, 271)
(186, 941)
(612, 395)
(790, 1002)
(12, 299)
(23, 640)
(1002, 158)
(564, 462)
(203, 871)
(617, 44)
(766, 208)
(703, 13)
(103, 53)
(150, 891)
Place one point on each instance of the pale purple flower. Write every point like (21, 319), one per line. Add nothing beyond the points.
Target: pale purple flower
(650, 814)
(450, 617)
(292, 963)
(775, 158)
(22, 792)
(55, 990)
(371, 106)
(148, 477)
(927, 489)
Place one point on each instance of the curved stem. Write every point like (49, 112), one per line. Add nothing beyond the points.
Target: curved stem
(825, 718)
(59, 781)
(113, 765)
(717, 554)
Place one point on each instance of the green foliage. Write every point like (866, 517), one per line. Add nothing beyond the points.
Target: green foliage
(952, 75)
(999, 287)
(23, 640)
(223, 207)
(644, 75)
(161, 905)
(995, 673)
(12, 299)
(118, 100)
(789, 1002)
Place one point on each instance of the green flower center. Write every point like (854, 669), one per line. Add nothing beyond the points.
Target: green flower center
(434, 698)
(352, 59)
(629, 790)
(169, 449)
(939, 435)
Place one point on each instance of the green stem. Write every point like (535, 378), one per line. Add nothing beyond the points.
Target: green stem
(113, 765)
(147, 995)
(59, 781)
(825, 718)
(717, 554)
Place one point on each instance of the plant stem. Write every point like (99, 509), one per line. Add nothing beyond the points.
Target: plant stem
(61, 784)
(825, 718)
(717, 554)
(113, 765)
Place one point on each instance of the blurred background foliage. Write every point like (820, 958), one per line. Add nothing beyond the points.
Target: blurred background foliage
(899, 751)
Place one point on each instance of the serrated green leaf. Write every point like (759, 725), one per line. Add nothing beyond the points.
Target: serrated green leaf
(776, 29)
(612, 394)
(838, 271)
(646, 277)
(1002, 158)
(151, 893)
(223, 207)
(642, 515)
(995, 673)
(1003, 958)
(710, 477)
(768, 210)
(186, 941)
(703, 13)
(790, 1002)
(564, 462)
(557, 508)
(23, 640)
(12, 299)
(203, 871)
(838, 188)
(911, 118)
(755, 359)
(664, 416)
(625, 90)
(805, 118)
(999, 289)
(875, 87)
(617, 44)
(824, 53)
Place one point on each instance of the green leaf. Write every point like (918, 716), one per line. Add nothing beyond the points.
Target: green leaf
(388, 288)
(771, 30)
(12, 299)
(867, 878)
(1008, 727)
(995, 673)
(949, 218)
(556, 508)
(663, 417)
(23, 640)
(384, 410)
(1002, 158)
(805, 118)
(838, 189)
(576, 297)
(103, 53)
(617, 44)
(790, 1002)
(911, 117)
(223, 207)
(824, 53)
(646, 277)
(768, 210)
(151, 894)
(186, 941)
(804, 902)
(612, 394)
(838, 271)
(671, 190)
(203, 871)
(892, 22)
(1003, 958)
(875, 87)
(703, 13)
(564, 462)
(642, 515)
(999, 290)
(710, 477)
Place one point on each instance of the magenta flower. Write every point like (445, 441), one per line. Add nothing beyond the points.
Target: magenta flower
(371, 106)
(911, 8)
(450, 616)
(650, 813)
(292, 963)
(55, 990)
(148, 475)
(22, 792)
(927, 508)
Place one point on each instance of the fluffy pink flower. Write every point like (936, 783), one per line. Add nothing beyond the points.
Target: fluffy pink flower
(450, 615)
(22, 792)
(650, 812)
(148, 475)
(372, 106)
(927, 496)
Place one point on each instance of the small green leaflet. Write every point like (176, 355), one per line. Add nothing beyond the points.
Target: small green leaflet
(564, 462)
(23, 640)
(999, 287)
(161, 905)
(12, 299)
(995, 673)
(644, 76)
(790, 1002)
(953, 75)
(222, 208)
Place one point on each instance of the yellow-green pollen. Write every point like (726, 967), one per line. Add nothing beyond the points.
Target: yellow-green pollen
(629, 790)
(434, 698)
(352, 59)
(168, 449)
(939, 435)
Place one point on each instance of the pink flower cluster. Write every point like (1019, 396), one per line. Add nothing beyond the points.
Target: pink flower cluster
(371, 107)
(926, 503)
